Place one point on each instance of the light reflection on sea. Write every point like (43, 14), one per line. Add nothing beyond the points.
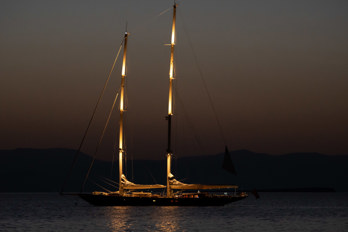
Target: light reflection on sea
(272, 212)
(147, 218)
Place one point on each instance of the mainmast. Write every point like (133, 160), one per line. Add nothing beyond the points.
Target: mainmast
(122, 109)
(170, 102)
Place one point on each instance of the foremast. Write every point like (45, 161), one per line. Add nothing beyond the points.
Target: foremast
(121, 151)
(170, 103)
(124, 184)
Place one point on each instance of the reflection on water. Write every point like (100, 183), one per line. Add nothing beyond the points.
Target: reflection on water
(168, 219)
(280, 212)
(119, 218)
(149, 218)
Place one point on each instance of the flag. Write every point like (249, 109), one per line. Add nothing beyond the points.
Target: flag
(228, 164)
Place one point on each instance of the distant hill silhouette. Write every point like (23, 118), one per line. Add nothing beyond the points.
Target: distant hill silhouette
(43, 170)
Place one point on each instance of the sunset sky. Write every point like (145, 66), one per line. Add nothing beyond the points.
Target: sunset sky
(277, 72)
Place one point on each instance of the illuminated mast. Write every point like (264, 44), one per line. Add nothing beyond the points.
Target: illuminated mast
(170, 102)
(122, 109)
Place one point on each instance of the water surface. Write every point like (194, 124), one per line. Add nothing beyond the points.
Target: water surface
(272, 212)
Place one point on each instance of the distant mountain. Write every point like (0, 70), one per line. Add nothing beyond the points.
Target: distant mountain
(43, 170)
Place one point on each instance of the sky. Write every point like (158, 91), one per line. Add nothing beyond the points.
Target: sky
(276, 71)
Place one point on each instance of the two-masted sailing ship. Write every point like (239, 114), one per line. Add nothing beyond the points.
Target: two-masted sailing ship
(174, 193)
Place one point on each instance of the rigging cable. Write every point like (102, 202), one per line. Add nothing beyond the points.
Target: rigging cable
(147, 22)
(100, 140)
(187, 118)
(108, 182)
(105, 189)
(112, 164)
(77, 153)
(203, 81)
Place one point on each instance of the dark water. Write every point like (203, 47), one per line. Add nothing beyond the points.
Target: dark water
(272, 212)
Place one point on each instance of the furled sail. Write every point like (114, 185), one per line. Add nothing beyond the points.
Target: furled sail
(202, 186)
(131, 186)
(173, 181)
(175, 184)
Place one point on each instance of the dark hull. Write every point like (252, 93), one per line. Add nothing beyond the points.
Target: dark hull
(116, 200)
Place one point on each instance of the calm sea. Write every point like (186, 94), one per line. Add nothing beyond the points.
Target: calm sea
(272, 212)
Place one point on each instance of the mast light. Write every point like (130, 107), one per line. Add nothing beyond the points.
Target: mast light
(123, 69)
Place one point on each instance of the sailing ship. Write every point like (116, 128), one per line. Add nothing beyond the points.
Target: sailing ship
(175, 192)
